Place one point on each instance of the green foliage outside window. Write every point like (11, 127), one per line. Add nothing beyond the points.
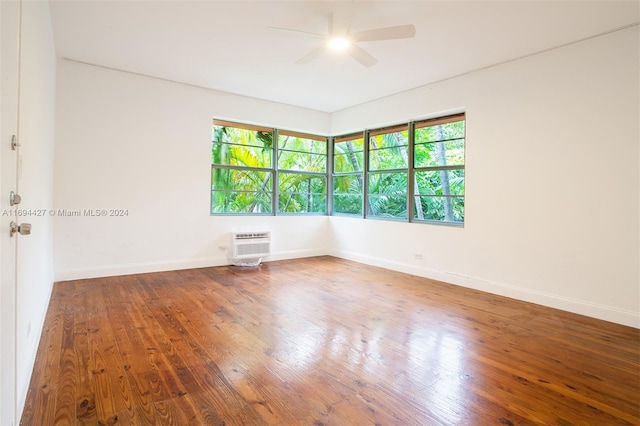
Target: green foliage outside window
(439, 172)
(348, 179)
(245, 163)
(387, 192)
(240, 176)
(302, 180)
(243, 172)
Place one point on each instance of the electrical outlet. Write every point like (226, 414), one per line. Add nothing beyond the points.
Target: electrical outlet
(418, 256)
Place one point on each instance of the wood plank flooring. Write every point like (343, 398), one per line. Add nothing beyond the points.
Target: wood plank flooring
(322, 341)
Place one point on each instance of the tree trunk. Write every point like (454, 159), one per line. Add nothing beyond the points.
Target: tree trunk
(266, 180)
(416, 191)
(444, 175)
(356, 168)
(309, 196)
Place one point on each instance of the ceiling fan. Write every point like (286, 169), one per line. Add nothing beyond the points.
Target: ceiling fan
(339, 37)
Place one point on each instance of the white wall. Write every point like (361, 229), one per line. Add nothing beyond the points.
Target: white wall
(34, 267)
(552, 181)
(130, 142)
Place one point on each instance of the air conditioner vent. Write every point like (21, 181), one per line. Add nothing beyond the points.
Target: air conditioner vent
(248, 248)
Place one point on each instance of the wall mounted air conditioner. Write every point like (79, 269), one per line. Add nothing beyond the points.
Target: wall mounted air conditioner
(248, 248)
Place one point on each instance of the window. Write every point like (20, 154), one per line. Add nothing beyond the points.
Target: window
(302, 173)
(387, 172)
(348, 176)
(412, 172)
(243, 170)
(439, 169)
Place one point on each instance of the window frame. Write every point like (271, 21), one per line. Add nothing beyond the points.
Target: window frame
(359, 174)
(310, 174)
(363, 176)
(268, 170)
(274, 170)
(419, 124)
(370, 171)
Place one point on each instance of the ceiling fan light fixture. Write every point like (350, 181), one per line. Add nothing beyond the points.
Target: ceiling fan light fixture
(338, 43)
(340, 39)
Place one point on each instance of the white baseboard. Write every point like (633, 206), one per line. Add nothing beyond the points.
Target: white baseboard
(593, 310)
(168, 265)
(589, 309)
(295, 254)
(137, 268)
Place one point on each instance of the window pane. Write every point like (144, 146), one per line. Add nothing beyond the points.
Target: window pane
(292, 160)
(348, 156)
(387, 195)
(388, 183)
(302, 193)
(240, 136)
(440, 182)
(389, 140)
(240, 179)
(240, 202)
(389, 151)
(387, 206)
(241, 155)
(348, 184)
(297, 153)
(347, 194)
(347, 203)
(448, 209)
(441, 132)
(449, 153)
(292, 143)
(240, 191)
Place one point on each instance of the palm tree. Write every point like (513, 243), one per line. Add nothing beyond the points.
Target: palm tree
(239, 187)
(387, 192)
(348, 164)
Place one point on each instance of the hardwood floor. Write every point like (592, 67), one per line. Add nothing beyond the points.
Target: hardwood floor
(322, 341)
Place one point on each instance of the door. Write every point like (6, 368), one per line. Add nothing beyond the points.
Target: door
(9, 160)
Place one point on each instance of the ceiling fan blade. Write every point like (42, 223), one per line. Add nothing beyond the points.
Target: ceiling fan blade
(330, 22)
(362, 56)
(389, 33)
(340, 18)
(297, 32)
(310, 56)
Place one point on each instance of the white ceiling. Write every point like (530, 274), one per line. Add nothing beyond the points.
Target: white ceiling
(225, 45)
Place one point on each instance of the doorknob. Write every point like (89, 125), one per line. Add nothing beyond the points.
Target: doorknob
(14, 198)
(22, 229)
